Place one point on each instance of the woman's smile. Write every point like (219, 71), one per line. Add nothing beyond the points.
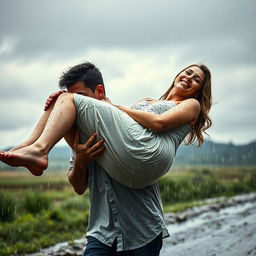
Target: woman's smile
(185, 83)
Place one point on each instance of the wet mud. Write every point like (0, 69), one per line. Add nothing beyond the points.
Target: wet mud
(226, 228)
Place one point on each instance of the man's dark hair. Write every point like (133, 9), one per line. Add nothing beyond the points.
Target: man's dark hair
(86, 72)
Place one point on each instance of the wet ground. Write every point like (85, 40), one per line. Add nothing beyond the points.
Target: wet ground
(223, 229)
(226, 228)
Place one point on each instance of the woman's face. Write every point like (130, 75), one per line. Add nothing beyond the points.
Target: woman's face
(189, 81)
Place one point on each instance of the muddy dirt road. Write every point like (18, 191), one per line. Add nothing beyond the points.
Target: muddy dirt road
(223, 229)
(226, 228)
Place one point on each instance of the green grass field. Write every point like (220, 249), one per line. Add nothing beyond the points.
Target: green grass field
(37, 212)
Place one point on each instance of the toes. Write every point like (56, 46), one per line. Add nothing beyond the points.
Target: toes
(5, 156)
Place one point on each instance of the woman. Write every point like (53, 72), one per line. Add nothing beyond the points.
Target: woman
(140, 142)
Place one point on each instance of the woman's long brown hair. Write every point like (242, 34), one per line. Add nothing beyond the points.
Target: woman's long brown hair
(205, 99)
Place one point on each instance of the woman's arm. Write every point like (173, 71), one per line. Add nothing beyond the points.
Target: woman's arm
(184, 113)
(84, 153)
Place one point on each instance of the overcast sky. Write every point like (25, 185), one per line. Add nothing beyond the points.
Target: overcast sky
(139, 45)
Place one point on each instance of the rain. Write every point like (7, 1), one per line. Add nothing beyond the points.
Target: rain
(208, 195)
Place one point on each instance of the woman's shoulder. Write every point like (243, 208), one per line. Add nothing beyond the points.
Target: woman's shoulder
(191, 102)
(193, 107)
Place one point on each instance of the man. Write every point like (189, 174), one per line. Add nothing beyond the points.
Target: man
(122, 221)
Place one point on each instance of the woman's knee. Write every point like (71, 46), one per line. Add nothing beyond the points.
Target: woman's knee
(66, 97)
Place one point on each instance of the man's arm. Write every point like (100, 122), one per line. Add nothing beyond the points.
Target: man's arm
(78, 176)
(84, 154)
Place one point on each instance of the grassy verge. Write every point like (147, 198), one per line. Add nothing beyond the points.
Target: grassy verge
(198, 184)
(29, 232)
(37, 212)
(182, 206)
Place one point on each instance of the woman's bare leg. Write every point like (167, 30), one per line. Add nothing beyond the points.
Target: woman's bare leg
(35, 157)
(37, 131)
(70, 137)
(41, 123)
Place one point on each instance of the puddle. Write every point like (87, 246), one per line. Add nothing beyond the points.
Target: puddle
(205, 217)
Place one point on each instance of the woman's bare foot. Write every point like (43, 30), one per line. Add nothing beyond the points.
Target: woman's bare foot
(22, 145)
(29, 157)
(6, 160)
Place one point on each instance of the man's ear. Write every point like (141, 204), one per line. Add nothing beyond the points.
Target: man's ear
(100, 92)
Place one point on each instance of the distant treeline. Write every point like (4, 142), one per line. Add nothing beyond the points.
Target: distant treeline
(210, 153)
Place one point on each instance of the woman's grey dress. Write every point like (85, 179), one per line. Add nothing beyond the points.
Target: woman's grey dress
(134, 156)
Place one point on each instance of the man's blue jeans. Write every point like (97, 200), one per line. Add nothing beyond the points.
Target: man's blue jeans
(96, 248)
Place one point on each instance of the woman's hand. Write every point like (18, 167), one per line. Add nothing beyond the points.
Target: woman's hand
(52, 98)
(88, 151)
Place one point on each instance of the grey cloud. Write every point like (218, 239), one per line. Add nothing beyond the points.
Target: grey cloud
(55, 29)
(14, 89)
(16, 114)
(235, 113)
(217, 33)
(9, 124)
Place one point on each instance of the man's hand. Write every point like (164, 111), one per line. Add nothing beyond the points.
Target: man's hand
(52, 98)
(78, 176)
(88, 151)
